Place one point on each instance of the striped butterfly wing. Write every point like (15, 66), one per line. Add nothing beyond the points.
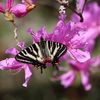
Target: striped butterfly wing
(30, 55)
(55, 49)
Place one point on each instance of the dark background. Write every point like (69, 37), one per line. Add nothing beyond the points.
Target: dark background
(40, 87)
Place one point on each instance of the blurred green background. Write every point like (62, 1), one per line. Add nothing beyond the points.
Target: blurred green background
(39, 87)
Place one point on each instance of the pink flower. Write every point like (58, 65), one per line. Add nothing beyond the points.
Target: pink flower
(69, 76)
(12, 64)
(91, 20)
(19, 10)
(75, 39)
(36, 37)
(7, 11)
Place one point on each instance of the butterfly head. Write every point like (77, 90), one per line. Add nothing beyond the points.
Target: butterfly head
(41, 39)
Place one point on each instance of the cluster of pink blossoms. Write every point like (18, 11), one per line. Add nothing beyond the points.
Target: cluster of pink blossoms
(92, 25)
(20, 10)
(78, 38)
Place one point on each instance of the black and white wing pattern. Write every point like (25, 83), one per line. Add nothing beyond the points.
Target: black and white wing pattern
(41, 53)
(55, 49)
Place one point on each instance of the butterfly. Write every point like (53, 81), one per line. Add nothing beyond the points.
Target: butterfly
(42, 52)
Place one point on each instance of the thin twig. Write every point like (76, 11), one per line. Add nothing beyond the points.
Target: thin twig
(15, 33)
(84, 6)
(28, 2)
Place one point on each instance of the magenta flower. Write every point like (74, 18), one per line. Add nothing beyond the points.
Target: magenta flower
(75, 39)
(7, 11)
(41, 32)
(12, 64)
(19, 10)
(91, 20)
(69, 77)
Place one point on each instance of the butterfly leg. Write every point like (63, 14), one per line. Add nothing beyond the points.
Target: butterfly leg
(55, 65)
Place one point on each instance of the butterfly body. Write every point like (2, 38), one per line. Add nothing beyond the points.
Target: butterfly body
(42, 52)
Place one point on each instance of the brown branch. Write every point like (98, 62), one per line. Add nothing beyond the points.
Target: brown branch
(28, 2)
(15, 33)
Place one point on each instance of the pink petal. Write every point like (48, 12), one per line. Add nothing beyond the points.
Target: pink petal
(31, 31)
(28, 74)
(12, 51)
(19, 10)
(22, 45)
(62, 17)
(90, 46)
(60, 24)
(3, 63)
(79, 55)
(42, 32)
(9, 4)
(33, 35)
(2, 8)
(95, 61)
(85, 80)
(70, 31)
(95, 8)
(94, 32)
(68, 78)
(10, 64)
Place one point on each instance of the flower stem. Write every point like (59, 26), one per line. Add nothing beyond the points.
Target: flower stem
(15, 33)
